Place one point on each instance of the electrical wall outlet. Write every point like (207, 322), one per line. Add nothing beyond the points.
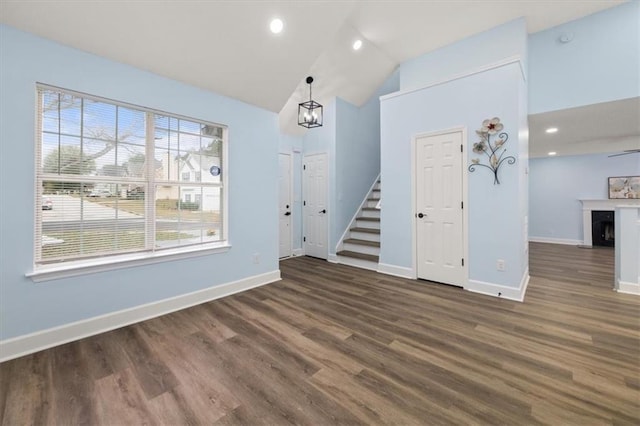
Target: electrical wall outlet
(256, 258)
(500, 265)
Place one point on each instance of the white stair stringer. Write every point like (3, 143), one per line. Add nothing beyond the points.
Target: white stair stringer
(360, 244)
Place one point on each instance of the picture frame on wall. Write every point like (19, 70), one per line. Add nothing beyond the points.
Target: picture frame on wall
(627, 187)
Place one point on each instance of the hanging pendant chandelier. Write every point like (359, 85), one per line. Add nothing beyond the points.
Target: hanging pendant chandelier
(310, 112)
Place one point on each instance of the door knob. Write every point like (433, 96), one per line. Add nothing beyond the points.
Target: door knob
(420, 215)
(287, 214)
(323, 211)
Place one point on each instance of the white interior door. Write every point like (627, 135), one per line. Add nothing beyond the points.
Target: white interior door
(284, 206)
(314, 205)
(439, 218)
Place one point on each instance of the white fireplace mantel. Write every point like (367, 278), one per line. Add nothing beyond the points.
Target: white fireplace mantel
(607, 205)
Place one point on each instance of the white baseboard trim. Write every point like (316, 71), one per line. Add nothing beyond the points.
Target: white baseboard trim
(333, 258)
(628, 288)
(396, 271)
(497, 290)
(297, 252)
(555, 241)
(40, 340)
(524, 283)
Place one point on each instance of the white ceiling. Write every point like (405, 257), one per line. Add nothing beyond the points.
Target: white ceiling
(225, 46)
(609, 127)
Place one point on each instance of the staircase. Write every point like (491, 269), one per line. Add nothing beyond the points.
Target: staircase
(361, 245)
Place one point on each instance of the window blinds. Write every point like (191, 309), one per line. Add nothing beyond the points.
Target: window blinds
(115, 178)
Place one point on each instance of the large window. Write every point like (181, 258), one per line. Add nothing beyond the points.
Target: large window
(114, 178)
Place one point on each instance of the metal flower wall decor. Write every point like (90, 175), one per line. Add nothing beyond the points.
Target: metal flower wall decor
(493, 148)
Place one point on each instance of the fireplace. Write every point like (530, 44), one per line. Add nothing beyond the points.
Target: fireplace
(603, 228)
(589, 206)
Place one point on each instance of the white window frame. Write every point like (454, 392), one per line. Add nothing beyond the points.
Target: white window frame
(45, 272)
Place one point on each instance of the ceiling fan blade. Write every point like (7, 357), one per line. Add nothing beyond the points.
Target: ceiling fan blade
(626, 152)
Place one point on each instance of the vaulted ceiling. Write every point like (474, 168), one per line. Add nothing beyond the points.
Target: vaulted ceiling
(226, 46)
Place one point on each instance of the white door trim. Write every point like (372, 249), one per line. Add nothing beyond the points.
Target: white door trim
(327, 201)
(291, 202)
(414, 194)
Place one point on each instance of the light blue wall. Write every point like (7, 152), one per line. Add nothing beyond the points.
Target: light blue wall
(495, 222)
(523, 168)
(494, 45)
(627, 260)
(357, 154)
(27, 307)
(351, 138)
(497, 213)
(557, 183)
(601, 64)
(351, 168)
(323, 140)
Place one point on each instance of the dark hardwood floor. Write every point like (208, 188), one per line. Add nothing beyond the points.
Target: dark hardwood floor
(330, 344)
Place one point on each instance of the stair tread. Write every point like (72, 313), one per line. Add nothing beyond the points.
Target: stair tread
(373, 199)
(370, 208)
(369, 219)
(369, 257)
(367, 230)
(362, 242)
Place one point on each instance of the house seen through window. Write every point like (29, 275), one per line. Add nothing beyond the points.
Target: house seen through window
(114, 178)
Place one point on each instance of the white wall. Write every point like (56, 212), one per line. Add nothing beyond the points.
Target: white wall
(27, 307)
(556, 184)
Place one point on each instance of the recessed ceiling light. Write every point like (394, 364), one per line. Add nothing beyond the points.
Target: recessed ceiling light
(552, 153)
(552, 130)
(276, 25)
(357, 44)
